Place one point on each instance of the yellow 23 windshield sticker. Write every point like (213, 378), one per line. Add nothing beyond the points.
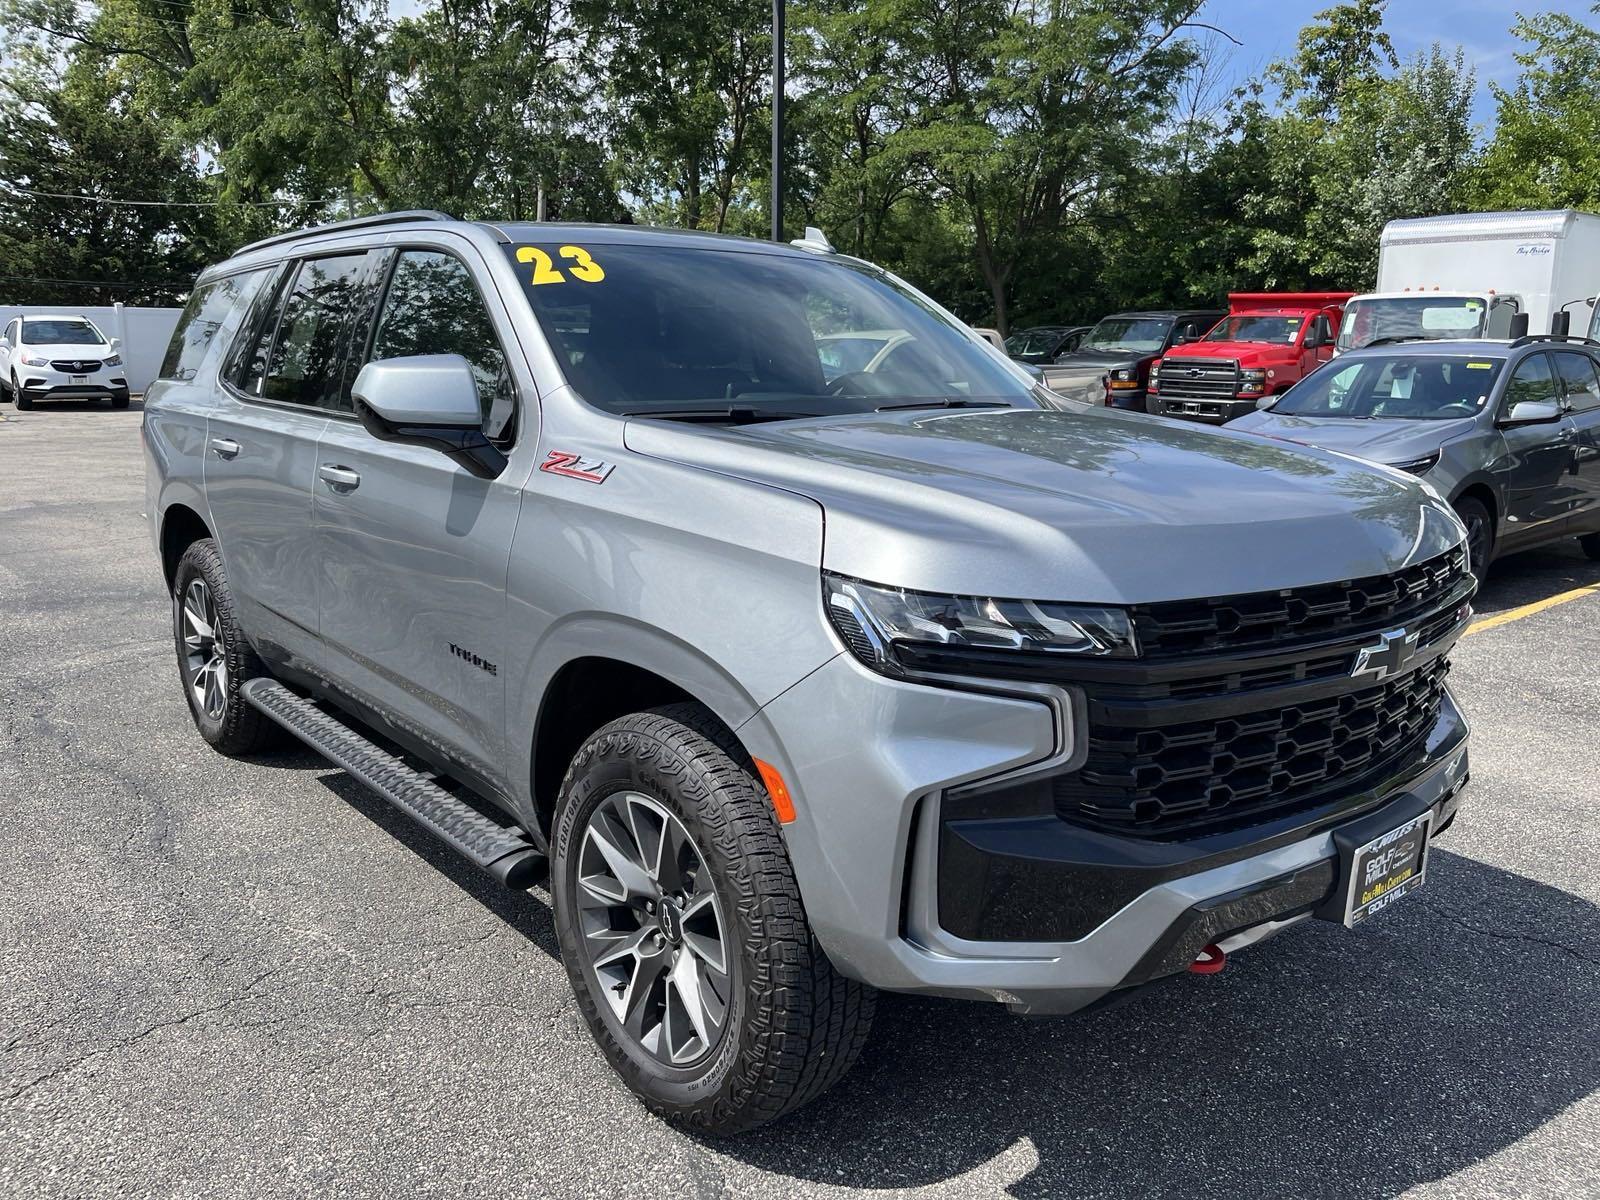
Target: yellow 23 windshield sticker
(579, 264)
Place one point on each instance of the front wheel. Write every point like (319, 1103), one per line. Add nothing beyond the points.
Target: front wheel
(20, 398)
(1591, 545)
(683, 933)
(1480, 534)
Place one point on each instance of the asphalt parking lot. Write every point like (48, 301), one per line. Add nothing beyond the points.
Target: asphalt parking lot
(253, 978)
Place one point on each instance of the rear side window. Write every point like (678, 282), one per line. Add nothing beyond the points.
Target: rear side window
(433, 307)
(1578, 380)
(197, 328)
(304, 358)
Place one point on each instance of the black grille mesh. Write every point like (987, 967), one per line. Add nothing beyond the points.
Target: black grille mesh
(1214, 772)
(1274, 618)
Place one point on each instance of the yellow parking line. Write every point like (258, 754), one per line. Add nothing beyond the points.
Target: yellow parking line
(1527, 610)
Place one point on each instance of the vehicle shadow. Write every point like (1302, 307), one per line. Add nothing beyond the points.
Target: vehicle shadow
(44, 408)
(1533, 575)
(1325, 1063)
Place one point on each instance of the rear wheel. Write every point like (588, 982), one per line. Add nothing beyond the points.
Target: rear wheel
(683, 933)
(214, 659)
(1480, 534)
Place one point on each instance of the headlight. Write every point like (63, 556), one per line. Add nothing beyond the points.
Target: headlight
(1155, 374)
(1252, 380)
(872, 619)
(1124, 375)
(1417, 466)
(35, 360)
(114, 361)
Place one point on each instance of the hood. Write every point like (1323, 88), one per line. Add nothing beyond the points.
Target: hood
(1081, 374)
(94, 353)
(1382, 441)
(1083, 504)
(1103, 360)
(1246, 353)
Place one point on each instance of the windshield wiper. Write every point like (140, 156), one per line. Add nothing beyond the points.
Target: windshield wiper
(1403, 337)
(947, 402)
(736, 414)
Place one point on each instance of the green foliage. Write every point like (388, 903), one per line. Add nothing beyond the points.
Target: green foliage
(1023, 160)
(1546, 147)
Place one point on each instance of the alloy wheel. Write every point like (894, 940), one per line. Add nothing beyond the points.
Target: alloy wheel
(205, 656)
(653, 929)
(1478, 544)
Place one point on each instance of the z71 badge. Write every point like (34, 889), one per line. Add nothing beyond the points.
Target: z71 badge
(575, 466)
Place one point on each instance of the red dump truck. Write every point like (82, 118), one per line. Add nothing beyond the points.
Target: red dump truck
(1267, 341)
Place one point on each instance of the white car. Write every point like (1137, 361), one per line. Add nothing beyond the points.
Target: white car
(57, 356)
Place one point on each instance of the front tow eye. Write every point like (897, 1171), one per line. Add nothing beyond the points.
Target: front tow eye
(1211, 961)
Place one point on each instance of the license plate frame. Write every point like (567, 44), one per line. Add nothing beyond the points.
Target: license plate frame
(77, 379)
(1387, 868)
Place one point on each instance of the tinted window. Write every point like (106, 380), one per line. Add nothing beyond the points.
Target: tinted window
(202, 317)
(1396, 387)
(638, 327)
(79, 332)
(1532, 380)
(1142, 334)
(1500, 314)
(433, 307)
(1578, 380)
(305, 353)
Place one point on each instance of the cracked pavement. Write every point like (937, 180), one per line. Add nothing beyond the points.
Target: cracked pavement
(229, 978)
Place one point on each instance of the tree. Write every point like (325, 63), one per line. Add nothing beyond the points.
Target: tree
(57, 133)
(1546, 147)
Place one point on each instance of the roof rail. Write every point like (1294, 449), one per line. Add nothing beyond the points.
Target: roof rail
(1529, 339)
(390, 218)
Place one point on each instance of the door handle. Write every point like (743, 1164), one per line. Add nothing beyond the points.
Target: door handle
(340, 479)
(225, 447)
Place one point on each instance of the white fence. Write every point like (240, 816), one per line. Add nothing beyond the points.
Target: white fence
(145, 333)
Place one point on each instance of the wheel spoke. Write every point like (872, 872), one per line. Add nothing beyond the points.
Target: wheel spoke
(686, 983)
(197, 623)
(638, 1004)
(627, 944)
(702, 931)
(610, 843)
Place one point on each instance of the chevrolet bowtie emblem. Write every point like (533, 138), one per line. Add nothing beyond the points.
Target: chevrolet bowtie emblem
(1387, 657)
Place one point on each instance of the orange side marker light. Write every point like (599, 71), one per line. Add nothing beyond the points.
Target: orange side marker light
(777, 791)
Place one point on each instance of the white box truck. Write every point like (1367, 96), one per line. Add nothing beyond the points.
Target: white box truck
(1471, 275)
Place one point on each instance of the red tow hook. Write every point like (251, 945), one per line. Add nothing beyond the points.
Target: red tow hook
(1212, 959)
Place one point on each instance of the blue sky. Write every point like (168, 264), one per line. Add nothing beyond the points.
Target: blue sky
(1481, 27)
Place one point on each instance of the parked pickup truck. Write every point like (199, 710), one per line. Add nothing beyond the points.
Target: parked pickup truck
(1268, 341)
(1111, 363)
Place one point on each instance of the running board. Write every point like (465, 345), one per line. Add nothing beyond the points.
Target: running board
(502, 851)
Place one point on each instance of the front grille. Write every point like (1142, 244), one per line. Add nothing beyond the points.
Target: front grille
(1181, 777)
(1283, 618)
(1198, 379)
(76, 366)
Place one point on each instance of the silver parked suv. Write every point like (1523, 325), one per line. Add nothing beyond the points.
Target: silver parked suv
(805, 682)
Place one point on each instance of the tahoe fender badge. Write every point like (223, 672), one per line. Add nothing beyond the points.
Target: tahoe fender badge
(1389, 656)
(574, 466)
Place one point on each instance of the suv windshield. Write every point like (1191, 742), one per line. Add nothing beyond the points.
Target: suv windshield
(1278, 331)
(683, 331)
(61, 332)
(1033, 341)
(1398, 387)
(1143, 334)
(1424, 318)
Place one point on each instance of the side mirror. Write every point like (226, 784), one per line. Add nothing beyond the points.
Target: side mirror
(427, 400)
(1530, 412)
(1265, 402)
(1182, 339)
(115, 343)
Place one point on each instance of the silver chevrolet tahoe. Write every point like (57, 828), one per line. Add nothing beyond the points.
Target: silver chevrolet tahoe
(812, 646)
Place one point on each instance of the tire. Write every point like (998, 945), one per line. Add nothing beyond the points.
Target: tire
(790, 1025)
(1591, 545)
(1480, 534)
(201, 601)
(119, 402)
(19, 397)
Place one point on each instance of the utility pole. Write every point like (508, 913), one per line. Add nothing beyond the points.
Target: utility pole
(777, 119)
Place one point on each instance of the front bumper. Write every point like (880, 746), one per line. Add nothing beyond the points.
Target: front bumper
(47, 383)
(1207, 412)
(874, 851)
(1132, 399)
